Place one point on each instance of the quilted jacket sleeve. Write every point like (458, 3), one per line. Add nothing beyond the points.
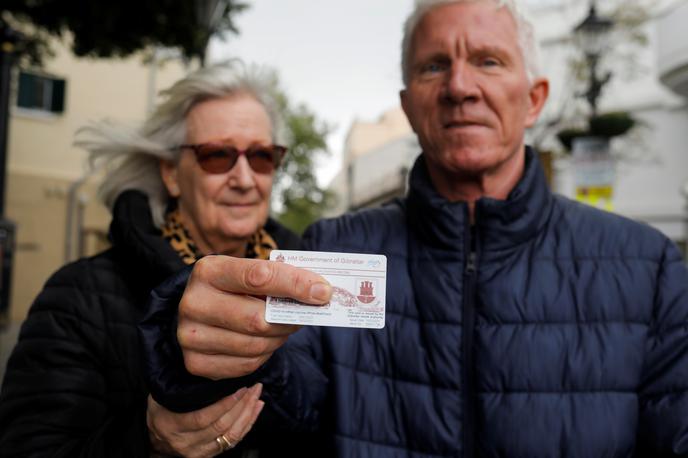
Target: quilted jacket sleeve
(54, 396)
(171, 385)
(294, 383)
(663, 428)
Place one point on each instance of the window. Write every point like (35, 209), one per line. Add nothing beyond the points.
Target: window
(39, 92)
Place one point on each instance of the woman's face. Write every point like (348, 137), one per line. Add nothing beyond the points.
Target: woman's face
(222, 210)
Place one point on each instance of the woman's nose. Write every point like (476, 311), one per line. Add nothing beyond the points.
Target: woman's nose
(241, 175)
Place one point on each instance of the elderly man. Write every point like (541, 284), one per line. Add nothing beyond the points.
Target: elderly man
(518, 323)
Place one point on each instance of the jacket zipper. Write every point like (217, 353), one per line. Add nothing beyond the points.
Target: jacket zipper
(470, 277)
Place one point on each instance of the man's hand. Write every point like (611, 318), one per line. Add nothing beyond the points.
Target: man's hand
(194, 434)
(222, 329)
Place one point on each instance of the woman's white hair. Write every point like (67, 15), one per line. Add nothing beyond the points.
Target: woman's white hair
(526, 33)
(139, 149)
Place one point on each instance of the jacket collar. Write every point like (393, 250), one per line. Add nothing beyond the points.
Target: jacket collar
(500, 224)
(138, 241)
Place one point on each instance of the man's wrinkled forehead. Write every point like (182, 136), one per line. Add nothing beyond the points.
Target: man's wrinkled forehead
(509, 8)
(482, 31)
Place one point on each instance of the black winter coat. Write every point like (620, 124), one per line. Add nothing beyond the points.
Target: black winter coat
(74, 385)
(549, 330)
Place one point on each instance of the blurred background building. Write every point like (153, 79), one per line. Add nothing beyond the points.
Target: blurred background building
(377, 157)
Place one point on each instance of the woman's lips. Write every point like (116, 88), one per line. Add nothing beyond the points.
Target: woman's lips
(239, 204)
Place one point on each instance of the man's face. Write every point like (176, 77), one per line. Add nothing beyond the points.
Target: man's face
(468, 97)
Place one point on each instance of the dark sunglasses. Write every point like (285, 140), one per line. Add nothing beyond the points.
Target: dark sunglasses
(218, 157)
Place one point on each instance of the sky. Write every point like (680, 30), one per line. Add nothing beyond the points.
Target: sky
(339, 58)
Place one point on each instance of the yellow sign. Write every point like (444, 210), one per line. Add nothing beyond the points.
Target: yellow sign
(597, 196)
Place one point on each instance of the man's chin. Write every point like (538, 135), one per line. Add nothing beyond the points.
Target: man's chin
(467, 160)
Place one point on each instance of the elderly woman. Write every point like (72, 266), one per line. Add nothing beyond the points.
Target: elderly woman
(194, 179)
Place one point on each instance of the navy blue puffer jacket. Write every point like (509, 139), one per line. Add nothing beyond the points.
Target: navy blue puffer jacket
(563, 334)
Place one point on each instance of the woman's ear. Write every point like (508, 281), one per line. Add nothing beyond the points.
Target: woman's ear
(168, 173)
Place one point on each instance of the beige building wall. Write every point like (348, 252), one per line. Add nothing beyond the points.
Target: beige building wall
(43, 164)
(364, 140)
(364, 136)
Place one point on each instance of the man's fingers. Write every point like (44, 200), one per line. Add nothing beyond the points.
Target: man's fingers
(213, 340)
(258, 277)
(219, 295)
(217, 367)
(233, 312)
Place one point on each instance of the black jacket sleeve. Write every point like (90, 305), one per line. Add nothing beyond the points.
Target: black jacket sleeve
(56, 398)
(170, 383)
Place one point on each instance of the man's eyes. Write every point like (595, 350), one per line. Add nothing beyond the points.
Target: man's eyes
(433, 67)
(487, 61)
(439, 67)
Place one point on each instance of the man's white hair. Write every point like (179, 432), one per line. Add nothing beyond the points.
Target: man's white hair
(526, 33)
(139, 149)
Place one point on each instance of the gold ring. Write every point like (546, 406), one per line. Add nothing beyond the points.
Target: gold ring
(223, 443)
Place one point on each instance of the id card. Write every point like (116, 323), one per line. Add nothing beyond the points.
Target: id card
(358, 299)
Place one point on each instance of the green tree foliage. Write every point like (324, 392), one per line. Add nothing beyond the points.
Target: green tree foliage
(120, 28)
(299, 199)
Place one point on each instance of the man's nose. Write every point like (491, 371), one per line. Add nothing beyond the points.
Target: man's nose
(241, 175)
(461, 85)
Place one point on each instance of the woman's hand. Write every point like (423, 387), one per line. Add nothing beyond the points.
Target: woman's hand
(199, 434)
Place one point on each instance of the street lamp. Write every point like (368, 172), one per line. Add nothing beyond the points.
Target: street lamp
(9, 38)
(593, 36)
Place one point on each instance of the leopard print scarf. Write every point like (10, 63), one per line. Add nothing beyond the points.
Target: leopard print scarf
(259, 245)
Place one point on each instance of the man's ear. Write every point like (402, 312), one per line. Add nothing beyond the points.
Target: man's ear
(168, 173)
(537, 96)
(402, 98)
(405, 105)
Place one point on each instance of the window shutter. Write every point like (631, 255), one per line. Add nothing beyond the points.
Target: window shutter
(27, 90)
(58, 102)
